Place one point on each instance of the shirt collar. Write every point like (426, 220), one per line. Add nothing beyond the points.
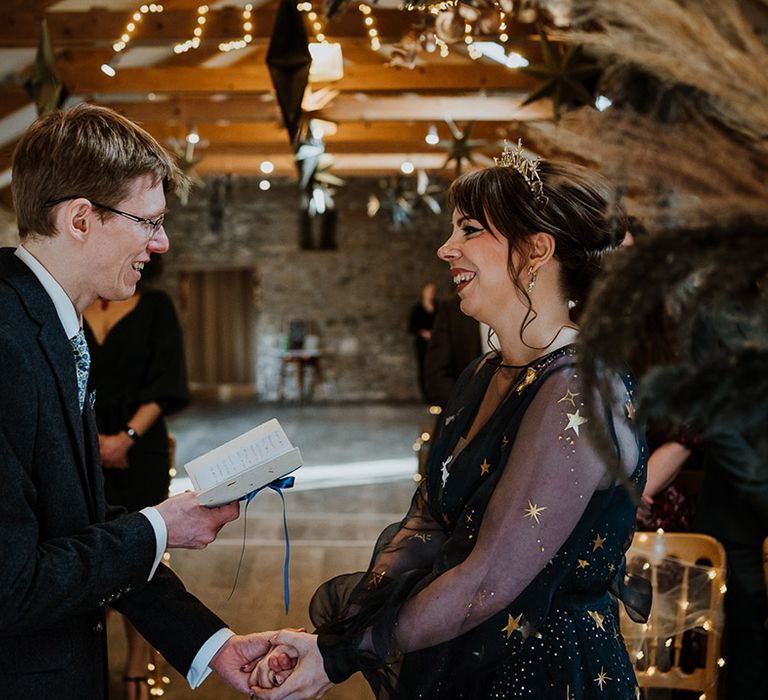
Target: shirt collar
(64, 306)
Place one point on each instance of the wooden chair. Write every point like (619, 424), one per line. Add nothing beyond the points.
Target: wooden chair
(679, 565)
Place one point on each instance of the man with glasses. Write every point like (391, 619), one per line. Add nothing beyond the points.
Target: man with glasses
(89, 192)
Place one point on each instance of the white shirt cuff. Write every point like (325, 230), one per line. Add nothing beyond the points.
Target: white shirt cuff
(161, 536)
(200, 669)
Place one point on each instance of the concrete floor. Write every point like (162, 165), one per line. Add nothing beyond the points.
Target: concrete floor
(357, 478)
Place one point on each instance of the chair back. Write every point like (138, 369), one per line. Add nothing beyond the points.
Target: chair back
(679, 647)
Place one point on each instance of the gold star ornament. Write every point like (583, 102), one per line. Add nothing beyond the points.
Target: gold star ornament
(574, 421)
(533, 511)
(513, 625)
(598, 618)
(602, 678)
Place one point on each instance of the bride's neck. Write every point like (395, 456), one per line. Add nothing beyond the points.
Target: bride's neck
(519, 347)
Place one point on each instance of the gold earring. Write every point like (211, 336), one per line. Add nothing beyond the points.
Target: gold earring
(532, 274)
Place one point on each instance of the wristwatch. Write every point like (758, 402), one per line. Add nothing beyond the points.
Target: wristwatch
(131, 433)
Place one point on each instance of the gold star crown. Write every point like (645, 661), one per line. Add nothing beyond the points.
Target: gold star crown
(527, 167)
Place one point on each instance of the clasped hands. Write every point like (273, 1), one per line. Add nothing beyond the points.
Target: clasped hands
(284, 665)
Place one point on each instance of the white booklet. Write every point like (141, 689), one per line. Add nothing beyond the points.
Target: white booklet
(248, 462)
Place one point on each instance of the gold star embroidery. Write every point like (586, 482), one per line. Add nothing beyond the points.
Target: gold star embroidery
(583, 564)
(574, 421)
(597, 543)
(484, 467)
(533, 511)
(611, 567)
(446, 519)
(569, 396)
(504, 442)
(630, 409)
(423, 536)
(376, 578)
(513, 624)
(469, 518)
(530, 378)
(602, 678)
(598, 618)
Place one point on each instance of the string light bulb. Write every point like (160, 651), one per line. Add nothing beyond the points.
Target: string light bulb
(194, 42)
(370, 24)
(247, 38)
(132, 25)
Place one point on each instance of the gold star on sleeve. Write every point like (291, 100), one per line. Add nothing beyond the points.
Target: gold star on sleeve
(484, 467)
(611, 567)
(598, 618)
(602, 678)
(583, 564)
(533, 511)
(574, 421)
(513, 624)
(597, 543)
(569, 396)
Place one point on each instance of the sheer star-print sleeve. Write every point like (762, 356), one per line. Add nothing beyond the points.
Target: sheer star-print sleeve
(525, 546)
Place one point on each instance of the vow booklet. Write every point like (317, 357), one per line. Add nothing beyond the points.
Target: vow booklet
(244, 464)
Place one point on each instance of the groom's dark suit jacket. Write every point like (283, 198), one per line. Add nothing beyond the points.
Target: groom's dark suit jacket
(64, 554)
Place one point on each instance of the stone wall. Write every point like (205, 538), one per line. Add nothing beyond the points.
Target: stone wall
(9, 234)
(357, 297)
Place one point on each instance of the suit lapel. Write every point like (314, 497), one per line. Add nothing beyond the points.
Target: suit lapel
(58, 352)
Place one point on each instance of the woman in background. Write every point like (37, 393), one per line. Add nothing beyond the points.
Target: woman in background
(139, 375)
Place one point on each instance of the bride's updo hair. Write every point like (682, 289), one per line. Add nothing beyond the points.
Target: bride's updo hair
(579, 209)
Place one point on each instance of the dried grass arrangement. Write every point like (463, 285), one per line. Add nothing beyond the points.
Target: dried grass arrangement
(693, 163)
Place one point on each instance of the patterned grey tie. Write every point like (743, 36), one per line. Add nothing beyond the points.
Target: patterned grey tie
(82, 364)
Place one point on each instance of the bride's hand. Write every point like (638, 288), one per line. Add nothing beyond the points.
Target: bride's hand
(273, 668)
(307, 680)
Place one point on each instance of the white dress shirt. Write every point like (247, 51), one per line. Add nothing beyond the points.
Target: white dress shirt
(72, 323)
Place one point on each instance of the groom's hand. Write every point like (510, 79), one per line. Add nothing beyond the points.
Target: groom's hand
(308, 679)
(239, 656)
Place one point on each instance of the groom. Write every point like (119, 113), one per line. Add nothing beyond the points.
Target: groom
(89, 192)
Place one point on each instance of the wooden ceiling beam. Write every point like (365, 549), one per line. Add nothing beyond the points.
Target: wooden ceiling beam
(263, 108)
(22, 28)
(254, 78)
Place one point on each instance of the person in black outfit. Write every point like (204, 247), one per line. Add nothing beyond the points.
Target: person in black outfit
(420, 322)
(455, 343)
(139, 374)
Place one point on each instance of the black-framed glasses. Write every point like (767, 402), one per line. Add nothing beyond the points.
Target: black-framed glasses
(153, 226)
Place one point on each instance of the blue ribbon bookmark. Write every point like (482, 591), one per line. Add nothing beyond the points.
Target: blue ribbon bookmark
(285, 482)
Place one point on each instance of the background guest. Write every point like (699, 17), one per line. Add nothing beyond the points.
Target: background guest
(420, 322)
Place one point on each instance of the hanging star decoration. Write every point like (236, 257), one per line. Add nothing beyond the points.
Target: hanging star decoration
(424, 193)
(533, 511)
(460, 148)
(45, 86)
(184, 153)
(574, 421)
(513, 625)
(396, 202)
(597, 543)
(288, 60)
(597, 618)
(564, 72)
(602, 678)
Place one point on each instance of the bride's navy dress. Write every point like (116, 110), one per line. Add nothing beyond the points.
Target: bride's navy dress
(502, 580)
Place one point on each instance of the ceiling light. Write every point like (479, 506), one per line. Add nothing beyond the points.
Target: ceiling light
(496, 52)
(264, 185)
(327, 62)
(407, 167)
(432, 138)
(267, 167)
(193, 137)
(108, 70)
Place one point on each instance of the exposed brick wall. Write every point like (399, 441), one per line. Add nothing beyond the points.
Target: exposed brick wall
(357, 297)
